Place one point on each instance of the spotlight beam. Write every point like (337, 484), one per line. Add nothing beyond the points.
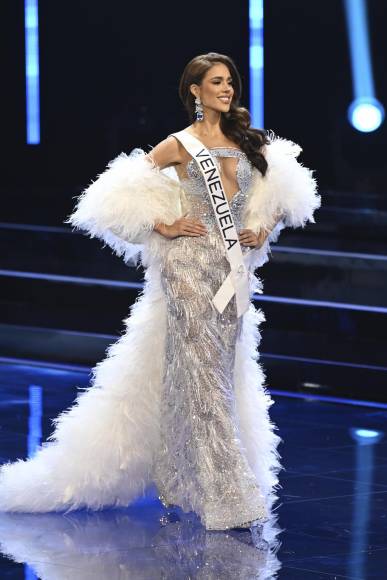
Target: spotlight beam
(256, 63)
(365, 113)
(31, 34)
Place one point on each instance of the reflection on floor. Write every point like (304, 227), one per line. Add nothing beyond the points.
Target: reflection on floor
(333, 506)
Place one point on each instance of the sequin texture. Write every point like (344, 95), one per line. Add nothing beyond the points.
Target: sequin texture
(201, 465)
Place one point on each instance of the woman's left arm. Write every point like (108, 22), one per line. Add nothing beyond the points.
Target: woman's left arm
(285, 197)
(290, 184)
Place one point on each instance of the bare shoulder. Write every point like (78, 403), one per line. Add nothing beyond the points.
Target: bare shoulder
(167, 153)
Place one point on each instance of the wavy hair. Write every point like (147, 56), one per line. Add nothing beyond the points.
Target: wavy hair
(236, 123)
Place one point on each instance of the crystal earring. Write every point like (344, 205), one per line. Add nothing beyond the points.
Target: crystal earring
(199, 109)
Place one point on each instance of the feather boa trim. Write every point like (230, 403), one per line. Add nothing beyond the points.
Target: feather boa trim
(124, 203)
(286, 197)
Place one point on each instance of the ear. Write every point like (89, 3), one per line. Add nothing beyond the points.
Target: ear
(194, 89)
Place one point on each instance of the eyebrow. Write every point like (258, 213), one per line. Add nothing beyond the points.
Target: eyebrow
(220, 77)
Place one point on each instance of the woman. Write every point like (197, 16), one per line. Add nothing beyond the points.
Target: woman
(179, 399)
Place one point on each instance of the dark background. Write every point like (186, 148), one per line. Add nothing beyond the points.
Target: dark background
(110, 72)
(109, 76)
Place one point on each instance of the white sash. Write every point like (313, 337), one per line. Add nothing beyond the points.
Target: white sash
(237, 282)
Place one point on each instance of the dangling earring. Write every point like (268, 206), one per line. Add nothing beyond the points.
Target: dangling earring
(199, 109)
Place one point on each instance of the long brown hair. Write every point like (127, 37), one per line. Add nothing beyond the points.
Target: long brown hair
(235, 124)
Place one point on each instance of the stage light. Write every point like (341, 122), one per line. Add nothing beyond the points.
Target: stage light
(366, 436)
(363, 486)
(35, 419)
(31, 33)
(368, 433)
(256, 63)
(365, 113)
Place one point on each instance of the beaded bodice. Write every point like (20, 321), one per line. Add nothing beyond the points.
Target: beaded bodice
(197, 195)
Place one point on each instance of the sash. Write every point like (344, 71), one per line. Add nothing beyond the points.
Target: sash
(237, 282)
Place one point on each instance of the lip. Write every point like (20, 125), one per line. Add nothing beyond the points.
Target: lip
(225, 99)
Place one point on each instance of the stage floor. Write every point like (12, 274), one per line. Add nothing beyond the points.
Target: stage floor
(332, 507)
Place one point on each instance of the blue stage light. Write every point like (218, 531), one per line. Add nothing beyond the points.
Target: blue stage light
(256, 63)
(35, 419)
(366, 436)
(31, 32)
(365, 113)
(367, 433)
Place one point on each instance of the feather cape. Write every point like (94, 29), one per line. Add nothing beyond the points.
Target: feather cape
(102, 449)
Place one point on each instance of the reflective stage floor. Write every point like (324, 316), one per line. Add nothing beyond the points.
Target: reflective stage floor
(332, 509)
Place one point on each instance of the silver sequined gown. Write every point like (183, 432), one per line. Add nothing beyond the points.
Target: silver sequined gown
(201, 465)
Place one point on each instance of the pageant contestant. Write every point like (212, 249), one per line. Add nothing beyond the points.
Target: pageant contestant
(179, 400)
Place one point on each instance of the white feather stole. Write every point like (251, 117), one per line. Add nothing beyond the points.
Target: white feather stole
(125, 201)
(287, 196)
(123, 204)
(102, 450)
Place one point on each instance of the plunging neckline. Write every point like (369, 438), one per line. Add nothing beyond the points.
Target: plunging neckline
(243, 154)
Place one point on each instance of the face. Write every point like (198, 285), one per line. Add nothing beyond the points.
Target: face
(216, 90)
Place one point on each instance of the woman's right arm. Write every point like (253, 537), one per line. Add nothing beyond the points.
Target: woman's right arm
(166, 154)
